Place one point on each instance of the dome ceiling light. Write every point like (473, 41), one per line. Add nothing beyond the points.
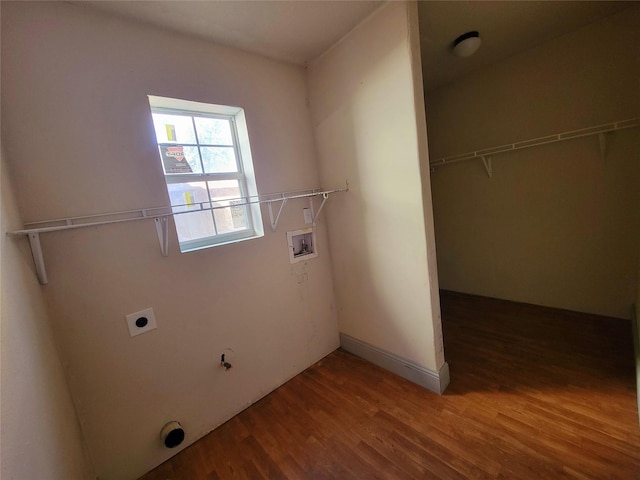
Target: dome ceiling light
(467, 44)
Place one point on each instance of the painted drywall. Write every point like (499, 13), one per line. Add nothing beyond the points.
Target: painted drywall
(365, 118)
(79, 137)
(556, 225)
(37, 410)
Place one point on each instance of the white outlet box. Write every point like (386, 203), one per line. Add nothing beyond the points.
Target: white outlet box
(302, 245)
(141, 322)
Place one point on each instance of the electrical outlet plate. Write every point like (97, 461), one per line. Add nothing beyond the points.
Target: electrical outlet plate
(141, 322)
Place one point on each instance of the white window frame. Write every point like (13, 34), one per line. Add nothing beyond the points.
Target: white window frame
(245, 174)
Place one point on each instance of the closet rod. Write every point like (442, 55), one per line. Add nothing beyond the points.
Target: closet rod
(155, 212)
(159, 216)
(583, 132)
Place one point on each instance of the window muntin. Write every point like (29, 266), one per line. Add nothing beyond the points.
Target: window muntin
(202, 162)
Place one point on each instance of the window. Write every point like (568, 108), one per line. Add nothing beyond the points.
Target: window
(206, 159)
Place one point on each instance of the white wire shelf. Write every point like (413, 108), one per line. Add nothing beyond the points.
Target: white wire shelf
(160, 215)
(486, 154)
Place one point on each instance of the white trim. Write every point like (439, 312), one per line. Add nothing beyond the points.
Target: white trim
(191, 106)
(433, 381)
(245, 184)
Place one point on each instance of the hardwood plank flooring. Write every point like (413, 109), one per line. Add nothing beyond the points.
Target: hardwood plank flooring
(535, 393)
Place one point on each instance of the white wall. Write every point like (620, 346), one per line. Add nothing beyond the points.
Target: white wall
(556, 225)
(40, 436)
(79, 138)
(365, 119)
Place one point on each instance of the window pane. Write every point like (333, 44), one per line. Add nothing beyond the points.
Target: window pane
(239, 218)
(194, 226)
(173, 128)
(213, 131)
(226, 193)
(224, 189)
(191, 196)
(219, 159)
(180, 159)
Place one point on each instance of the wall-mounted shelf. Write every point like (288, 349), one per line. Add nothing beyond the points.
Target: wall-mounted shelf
(486, 154)
(286, 197)
(159, 215)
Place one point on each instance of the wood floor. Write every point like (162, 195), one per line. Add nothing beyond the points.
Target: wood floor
(535, 393)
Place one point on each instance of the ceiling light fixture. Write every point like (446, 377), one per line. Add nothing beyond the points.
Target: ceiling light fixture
(467, 44)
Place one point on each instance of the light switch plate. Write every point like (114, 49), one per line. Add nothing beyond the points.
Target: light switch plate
(141, 322)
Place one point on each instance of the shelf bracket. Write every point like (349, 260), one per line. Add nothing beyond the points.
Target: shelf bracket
(325, 196)
(602, 137)
(313, 213)
(487, 166)
(274, 223)
(162, 229)
(38, 259)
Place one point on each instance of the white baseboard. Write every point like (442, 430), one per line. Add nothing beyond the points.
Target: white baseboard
(429, 379)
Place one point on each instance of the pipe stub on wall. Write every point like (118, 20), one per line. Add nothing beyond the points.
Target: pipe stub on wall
(172, 434)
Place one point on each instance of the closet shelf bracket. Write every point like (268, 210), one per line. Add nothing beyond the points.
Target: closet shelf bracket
(602, 138)
(162, 229)
(487, 166)
(283, 201)
(274, 223)
(325, 196)
(38, 259)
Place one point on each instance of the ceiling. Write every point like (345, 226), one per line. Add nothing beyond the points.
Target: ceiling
(292, 31)
(299, 31)
(506, 28)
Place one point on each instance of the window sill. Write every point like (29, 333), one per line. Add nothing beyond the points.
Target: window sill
(218, 244)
